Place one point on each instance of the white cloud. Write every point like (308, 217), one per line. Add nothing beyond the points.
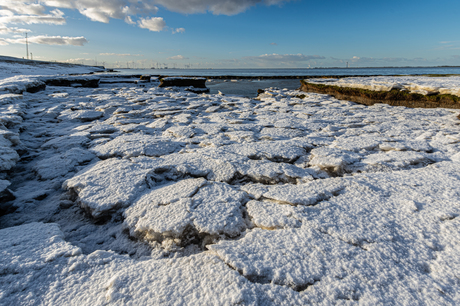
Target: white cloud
(119, 54)
(48, 40)
(449, 42)
(129, 20)
(386, 60)
(6, 30)
(218, 7)
(22, 11)
(178, 30)
(88, 61)
(58, 40)
(449, 45)
(22, 8)
(155, 24)
(177, 57)
(55, 17)
(103, 10)
(131, 11)
(284, 57)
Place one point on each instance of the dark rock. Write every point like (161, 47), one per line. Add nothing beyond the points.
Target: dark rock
(92, 83)
(183, 82)
(74, 81)
(58, 82)
(36, 87)
(394, 97)
(145, 78)
(6, 207)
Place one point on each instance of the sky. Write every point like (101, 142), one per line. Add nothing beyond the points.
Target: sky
(233, 33)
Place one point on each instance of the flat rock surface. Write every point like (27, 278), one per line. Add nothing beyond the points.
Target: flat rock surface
(127, 195)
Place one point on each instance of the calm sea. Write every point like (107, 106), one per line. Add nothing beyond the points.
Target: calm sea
(249, 87)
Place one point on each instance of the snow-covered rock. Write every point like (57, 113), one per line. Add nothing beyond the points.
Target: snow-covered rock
(413, 84)
(133, 145)
(185, 211)
(39, 267)
(62, 164)
(108, 185)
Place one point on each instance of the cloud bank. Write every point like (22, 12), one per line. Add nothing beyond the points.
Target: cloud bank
(46, 40)
(177, 57)
(119, 54)
(217, 7)
(14, 30)
(284, 58)
(54, 17)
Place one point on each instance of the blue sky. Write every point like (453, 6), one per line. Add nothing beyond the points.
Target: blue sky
(234, 33)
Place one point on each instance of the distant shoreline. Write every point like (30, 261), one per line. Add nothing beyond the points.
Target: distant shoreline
(10, 59)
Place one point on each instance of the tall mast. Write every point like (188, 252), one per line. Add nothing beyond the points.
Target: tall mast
(27, 47)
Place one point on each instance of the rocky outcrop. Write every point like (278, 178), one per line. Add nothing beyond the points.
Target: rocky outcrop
(145, 78)
(393, 97)
(91, 82)
(183, 82)
(35, 87)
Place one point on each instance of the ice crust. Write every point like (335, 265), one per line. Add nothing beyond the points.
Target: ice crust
(413, 84)
(188, 209)
(347, 246)
(39, 268)
(108, 185)
(128, 195)
(136, 145)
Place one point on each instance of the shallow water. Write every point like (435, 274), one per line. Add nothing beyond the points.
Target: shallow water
(249, 88)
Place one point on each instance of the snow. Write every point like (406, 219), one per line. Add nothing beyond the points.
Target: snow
(108, 185)
(134, 145)
(81, 115)
(189, 209)
(38, 267)
(130, 195)
(3, 185)
(62, 164)
(11, 66)
(413, 84)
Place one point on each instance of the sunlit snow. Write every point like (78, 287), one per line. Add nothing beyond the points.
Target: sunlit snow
(137, 195)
